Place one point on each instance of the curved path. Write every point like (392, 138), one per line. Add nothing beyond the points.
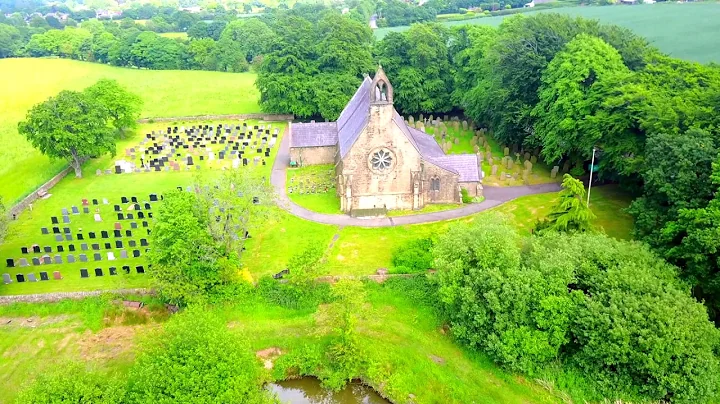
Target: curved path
(494, 196)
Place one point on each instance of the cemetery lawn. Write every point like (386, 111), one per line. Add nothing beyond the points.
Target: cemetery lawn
(313, 188)
(25, 231)
(668, 26)
(429, 208)
(27, 81)
(401, 335)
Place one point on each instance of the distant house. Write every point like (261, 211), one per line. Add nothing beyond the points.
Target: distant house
(193, 9)
(107, 14)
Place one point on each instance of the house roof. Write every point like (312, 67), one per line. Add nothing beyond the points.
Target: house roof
(426, 144)
(313, 134)
(354, 117)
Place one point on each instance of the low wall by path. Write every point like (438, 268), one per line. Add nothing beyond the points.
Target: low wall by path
(264, 117)
(22, 205)
(56, 297)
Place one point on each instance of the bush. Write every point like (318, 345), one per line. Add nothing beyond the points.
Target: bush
(415, 256)
(72, 383)
(196, 359)
(577, 171)
(465, 197)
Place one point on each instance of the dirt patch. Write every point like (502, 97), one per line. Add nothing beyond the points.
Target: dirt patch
(437, 359)
(31, 322)
(108, 343)
(268, 356)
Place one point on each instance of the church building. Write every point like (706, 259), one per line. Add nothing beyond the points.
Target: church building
(379, 161)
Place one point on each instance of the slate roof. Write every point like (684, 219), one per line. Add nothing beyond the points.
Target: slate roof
(466, 165)
(314, 134)
(354, 117)
(426, 144)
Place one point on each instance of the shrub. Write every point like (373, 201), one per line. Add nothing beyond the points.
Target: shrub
(577, 171)
(72, 383)
(465, 197)
(415, 256)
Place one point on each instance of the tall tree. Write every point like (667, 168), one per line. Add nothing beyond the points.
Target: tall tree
(567, 119)
(122, 105)
(70, 126)
(570, 214)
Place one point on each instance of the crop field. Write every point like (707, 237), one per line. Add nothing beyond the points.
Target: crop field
(26, 82)
(686, 31)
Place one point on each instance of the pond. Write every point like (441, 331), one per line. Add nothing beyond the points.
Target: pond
(307, 390)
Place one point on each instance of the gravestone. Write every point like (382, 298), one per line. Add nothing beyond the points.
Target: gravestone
(98, 218)
(54, 219)
(91, 234)
(84, 273)
(47, 260)
(123, 254)
(75, 210)
(126, 269)
(44, 230)
(133, 225)
(128, 233)
(58, 237)
(117, 233)
(80, 237)
(136, 253)
(104, 234)
(96, 246)
(7, 279)
(70, 259)
(24, 250)
(83, 258)
(98, 272)
(60, 248)
(494, 170)
(132, 243)
(112, 270)
(56, 230)
(143, 242)
(66, 219)
(57, 276)
(71, 247)
(20, 278)
(44, 276)
(111, 256)
(86, 209)
(23, 262)
(58, 259)
(68, 237)
(10, 263)
(118, 244)
(83, 247)
(97, 257)
(95, 202)
(140, 269)
(108, 246)
(31, 277)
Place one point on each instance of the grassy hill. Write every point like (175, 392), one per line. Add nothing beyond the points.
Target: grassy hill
(25, 82)
(686, 31)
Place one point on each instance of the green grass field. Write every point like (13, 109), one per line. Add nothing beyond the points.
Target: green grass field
(404, 337)
(687, 31)
(25, 82)
(175, 35)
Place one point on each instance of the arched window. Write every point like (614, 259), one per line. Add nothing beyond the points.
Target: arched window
(435, 184)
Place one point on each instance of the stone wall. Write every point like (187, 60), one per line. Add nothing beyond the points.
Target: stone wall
(55, 297)
(22, 205)
(306, 156)
(264, 117)
(448, 192)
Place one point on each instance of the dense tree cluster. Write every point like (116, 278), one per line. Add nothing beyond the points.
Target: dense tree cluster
(610, 308)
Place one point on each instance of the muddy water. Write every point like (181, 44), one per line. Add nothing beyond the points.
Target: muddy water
(308, 391)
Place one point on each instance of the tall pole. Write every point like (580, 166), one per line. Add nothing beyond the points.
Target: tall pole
(592, 168)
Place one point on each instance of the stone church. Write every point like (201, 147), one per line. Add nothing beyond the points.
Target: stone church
(379, 161)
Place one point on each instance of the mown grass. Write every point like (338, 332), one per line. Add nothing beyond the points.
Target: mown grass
(175, 35)
(667, 26)
(403, 338)
(300, 180)
(26, 82)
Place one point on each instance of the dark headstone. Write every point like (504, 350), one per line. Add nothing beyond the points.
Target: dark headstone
(47, 249)
(24, 250)
(140, 215)
(84, 273)
(143, 242)
(104, 234)
(112, 270)
(44, 276)
(91, 234)
(80, 237)
(54, 219)
(98, 272)
(118, 244)
(132, 243)
(120, 216)
(126, 269)
(117, 233)
(36, 261)
(96, 247)
(140, 269)
(36, 249)
(97, 257)
(108, 246)
(44, 230)
(71, 247)
(20, 278)
(56, 230)
(60, 248)
(136, 253)
(9, 262)
(129, 216)
(117, 208)
(128, 233)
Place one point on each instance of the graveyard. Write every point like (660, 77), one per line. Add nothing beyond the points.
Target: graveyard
(93, 232)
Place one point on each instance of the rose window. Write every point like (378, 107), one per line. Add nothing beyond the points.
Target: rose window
(381, 160)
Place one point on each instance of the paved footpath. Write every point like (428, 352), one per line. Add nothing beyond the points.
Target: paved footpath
(494, 196)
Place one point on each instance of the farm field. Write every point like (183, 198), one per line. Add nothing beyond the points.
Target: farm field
(686, 31)
(26, 82)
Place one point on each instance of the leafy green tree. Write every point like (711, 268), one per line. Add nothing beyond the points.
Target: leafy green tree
(151, 51)
(518, 315)
(10, 40)
(252, 35)
(567, 120)
(570, 214)
(197, 359)
(122, 105)
(229, 56)
(71, 126)
(201, 54)
(102, 44)
(468, 48)
(347, 309)
(72, 383)
(305, 266)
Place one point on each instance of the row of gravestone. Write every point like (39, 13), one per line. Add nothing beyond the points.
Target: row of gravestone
(70, 259)
(35, 249)
(91, 234)
(7, 279)
(112, 271)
